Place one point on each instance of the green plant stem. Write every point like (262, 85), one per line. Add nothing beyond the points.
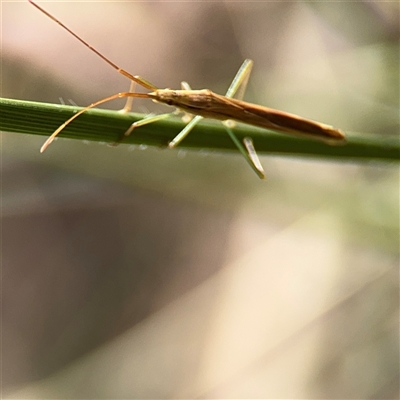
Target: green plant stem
(108, 126)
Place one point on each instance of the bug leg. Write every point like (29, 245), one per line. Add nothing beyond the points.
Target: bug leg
(187, 117)
(129, 101)
(239, 83)
(147, 120)
(184, 132)
(247, 150)
(153, 118)
(237, 90)
(248, 142)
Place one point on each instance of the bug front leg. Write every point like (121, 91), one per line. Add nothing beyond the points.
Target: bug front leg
(145, 121)
(129, 101)
(154, 118)
(192, 122)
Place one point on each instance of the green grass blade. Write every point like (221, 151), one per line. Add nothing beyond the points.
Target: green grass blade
(108, 126)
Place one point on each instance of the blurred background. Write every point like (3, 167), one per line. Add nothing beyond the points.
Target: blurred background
(144, 273)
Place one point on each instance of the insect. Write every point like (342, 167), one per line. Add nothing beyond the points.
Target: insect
(199, 104)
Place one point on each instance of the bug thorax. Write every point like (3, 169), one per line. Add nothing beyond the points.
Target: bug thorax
(182, 98)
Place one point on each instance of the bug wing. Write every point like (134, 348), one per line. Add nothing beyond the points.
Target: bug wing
(280, 121)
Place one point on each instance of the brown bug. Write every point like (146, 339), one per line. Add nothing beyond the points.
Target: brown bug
(206, 104)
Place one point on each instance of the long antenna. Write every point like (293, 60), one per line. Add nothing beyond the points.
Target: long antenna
(105, 100)
(138, 79)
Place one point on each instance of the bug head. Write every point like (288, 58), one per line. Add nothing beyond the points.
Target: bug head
(167, 96)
